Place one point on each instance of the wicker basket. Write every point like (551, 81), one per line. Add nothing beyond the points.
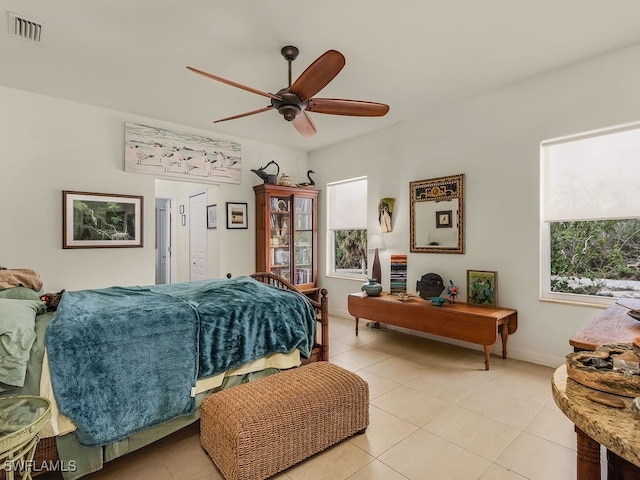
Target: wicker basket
(258, 429)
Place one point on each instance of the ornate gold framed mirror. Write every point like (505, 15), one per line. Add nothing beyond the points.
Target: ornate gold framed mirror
(437, 215)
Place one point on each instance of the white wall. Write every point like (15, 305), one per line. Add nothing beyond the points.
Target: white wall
(494, 140)
(49, 145)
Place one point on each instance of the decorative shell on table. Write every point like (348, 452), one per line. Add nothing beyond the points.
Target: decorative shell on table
(403, 297)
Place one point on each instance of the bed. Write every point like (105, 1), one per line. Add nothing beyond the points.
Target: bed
(77, 447)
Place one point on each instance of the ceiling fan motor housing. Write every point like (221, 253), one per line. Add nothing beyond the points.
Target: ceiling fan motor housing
(290, 104)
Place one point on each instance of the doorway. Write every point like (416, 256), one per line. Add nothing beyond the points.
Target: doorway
(163, 240)
(188, 225)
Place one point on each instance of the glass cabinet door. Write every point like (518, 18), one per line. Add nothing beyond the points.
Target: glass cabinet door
(303, 240)
(280, 235)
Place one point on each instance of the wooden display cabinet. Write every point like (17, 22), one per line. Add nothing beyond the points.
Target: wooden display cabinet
(287, 234)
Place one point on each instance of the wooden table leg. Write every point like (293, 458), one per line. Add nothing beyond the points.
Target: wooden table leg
(504, 333)
(487, 353)
(357, 325)
(620, 469)
(588, 457)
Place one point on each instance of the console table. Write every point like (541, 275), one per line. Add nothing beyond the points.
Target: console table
(460, 321)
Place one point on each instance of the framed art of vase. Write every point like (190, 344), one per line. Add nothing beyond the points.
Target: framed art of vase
(482, 288)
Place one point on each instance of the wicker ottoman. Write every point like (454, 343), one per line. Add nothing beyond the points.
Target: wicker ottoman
(258, 429)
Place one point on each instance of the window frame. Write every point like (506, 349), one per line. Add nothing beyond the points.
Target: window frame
(331, 240)
(545, 293)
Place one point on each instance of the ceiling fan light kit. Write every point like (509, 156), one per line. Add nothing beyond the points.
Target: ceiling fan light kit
(293, 102)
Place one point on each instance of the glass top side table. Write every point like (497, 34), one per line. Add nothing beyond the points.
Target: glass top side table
(21, 419)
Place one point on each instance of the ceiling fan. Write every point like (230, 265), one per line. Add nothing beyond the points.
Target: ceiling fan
(293, 102)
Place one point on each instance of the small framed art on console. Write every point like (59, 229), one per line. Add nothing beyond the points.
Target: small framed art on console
(482, 288)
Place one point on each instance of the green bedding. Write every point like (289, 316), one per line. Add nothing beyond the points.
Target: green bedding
(17, 340)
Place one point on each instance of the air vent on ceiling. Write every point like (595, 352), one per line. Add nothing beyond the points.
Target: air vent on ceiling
(24, 28)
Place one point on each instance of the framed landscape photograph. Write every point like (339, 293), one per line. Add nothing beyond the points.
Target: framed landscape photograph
(212, 217)
(95, 220)
(482, 288)
(237, 215)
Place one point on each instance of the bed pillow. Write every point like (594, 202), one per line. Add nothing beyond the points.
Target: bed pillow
(17, 334)
(20, 293)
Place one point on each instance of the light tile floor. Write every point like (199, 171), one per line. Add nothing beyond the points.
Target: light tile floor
(435, 414)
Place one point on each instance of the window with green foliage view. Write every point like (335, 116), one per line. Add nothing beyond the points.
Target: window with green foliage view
(590, 216)
(350, 247)
(599, 257)
(347, 228)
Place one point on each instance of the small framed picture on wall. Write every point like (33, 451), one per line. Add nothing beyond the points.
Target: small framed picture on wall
(212, 217)
(443, 219)
(237, 215)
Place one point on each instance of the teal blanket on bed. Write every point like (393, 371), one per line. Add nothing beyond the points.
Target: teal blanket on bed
(126, 358)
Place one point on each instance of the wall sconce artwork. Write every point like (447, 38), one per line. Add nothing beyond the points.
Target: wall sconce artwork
(385, 214)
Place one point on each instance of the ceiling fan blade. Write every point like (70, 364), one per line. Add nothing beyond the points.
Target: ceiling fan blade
(304, 125)
(233, 84)
(318, 74)
(265, 109)
(356, 108)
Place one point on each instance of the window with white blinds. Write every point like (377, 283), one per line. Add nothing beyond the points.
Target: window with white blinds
(347, 204)
(347, 227)
(590, 211)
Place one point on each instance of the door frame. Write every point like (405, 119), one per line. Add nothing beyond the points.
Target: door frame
(171, 228)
